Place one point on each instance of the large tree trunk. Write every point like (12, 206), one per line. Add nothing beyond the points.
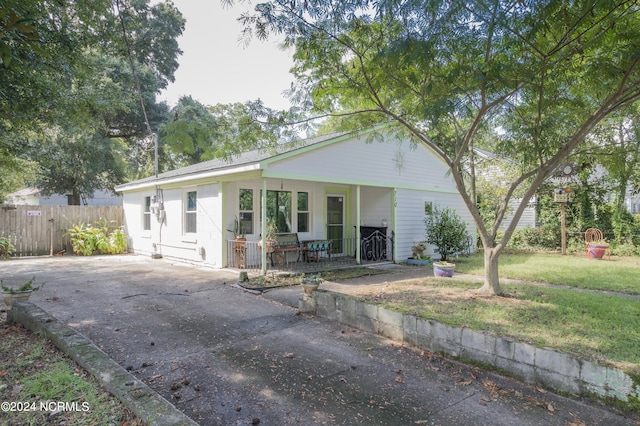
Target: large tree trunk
(491, 285)
(73, 199)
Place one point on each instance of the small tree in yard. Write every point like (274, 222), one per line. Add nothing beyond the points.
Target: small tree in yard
(446, 230)
(527, 79)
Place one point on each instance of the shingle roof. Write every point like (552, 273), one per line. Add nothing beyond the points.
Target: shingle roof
(243, 159)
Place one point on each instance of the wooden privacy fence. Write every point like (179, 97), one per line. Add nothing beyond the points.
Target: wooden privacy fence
(43, 230)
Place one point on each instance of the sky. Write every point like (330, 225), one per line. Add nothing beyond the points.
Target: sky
(216, 68)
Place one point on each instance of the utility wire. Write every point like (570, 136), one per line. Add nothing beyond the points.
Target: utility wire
(133, 68)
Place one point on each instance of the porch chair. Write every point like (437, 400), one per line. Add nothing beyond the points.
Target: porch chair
(594, 237)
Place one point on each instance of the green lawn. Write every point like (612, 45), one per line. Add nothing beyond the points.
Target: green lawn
(601, 327)
(620, 274)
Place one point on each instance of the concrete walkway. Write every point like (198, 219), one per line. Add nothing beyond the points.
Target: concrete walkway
(228, 357)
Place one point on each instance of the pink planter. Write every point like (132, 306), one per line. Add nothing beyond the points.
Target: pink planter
(596, 252)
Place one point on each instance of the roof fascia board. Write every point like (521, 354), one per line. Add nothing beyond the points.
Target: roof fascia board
(191, 177)
(350, 181)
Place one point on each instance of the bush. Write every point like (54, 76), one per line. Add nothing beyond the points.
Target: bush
(626, 249)
(446, 230)
(6, 247)
(86, 240)
(543, 238)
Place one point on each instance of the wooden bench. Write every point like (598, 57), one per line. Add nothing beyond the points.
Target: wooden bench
(287, 243)
(314, 248)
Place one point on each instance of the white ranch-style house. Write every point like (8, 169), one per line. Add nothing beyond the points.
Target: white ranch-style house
(317, 192)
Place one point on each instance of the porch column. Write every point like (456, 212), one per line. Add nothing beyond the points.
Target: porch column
(263, 226)
(394, 213)
(358, 257)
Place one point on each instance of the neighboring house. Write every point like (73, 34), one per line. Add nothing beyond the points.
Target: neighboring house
(489, 165)
(33, 197)
(319, 189)
(632, 201)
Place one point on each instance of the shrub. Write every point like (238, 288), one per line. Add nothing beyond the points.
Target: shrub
(626, 249)
(6, 247)
(88, 239)
(446, 230)
(543, 238)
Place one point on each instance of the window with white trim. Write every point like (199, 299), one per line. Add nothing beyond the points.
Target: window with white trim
(191, 212)
(146, 214)
(246, 211)
(303, 212)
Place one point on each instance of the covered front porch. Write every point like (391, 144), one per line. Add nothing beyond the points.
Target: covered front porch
(314, 255)
(315, 223)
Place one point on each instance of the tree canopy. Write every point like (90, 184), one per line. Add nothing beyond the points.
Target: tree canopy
(530, 80)
(81, 71)
(196, 132)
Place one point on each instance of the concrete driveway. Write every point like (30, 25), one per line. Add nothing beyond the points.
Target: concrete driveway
(228, 357)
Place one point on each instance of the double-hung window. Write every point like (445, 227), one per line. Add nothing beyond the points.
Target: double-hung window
(190, 213)
(303, 212)
(146, 214)
(246, 211)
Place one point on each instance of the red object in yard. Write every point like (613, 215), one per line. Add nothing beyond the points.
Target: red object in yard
(595, 252)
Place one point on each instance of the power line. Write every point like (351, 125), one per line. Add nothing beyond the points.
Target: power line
(133, 68)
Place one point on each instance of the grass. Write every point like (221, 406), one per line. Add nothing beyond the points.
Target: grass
(620, 274)
(33, 371)
(601, 327)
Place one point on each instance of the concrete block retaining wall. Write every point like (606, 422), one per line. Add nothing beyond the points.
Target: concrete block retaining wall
(544, 366)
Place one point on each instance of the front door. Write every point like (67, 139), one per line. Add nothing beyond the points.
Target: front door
(335, 222)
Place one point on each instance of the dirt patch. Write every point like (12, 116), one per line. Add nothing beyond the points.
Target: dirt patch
(274, 280)
(419, 292)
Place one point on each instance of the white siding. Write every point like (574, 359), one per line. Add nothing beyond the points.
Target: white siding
(376, 206)
(410, 218)
(385, 164)
(100, 198)
(170, 241)
(527, 220)
(414, 174)
(139, 240)
(210, 226)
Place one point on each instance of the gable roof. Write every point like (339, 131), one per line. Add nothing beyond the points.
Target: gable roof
(24, 192)
(247, 161)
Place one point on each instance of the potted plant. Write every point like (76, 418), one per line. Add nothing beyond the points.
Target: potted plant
(19, 294)
(596, 249)
(443, 269)
(240, 242)
(417, 255)
(270, 236)
(237, 231)
(310, 283)
(447, 231)
(420, 261)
